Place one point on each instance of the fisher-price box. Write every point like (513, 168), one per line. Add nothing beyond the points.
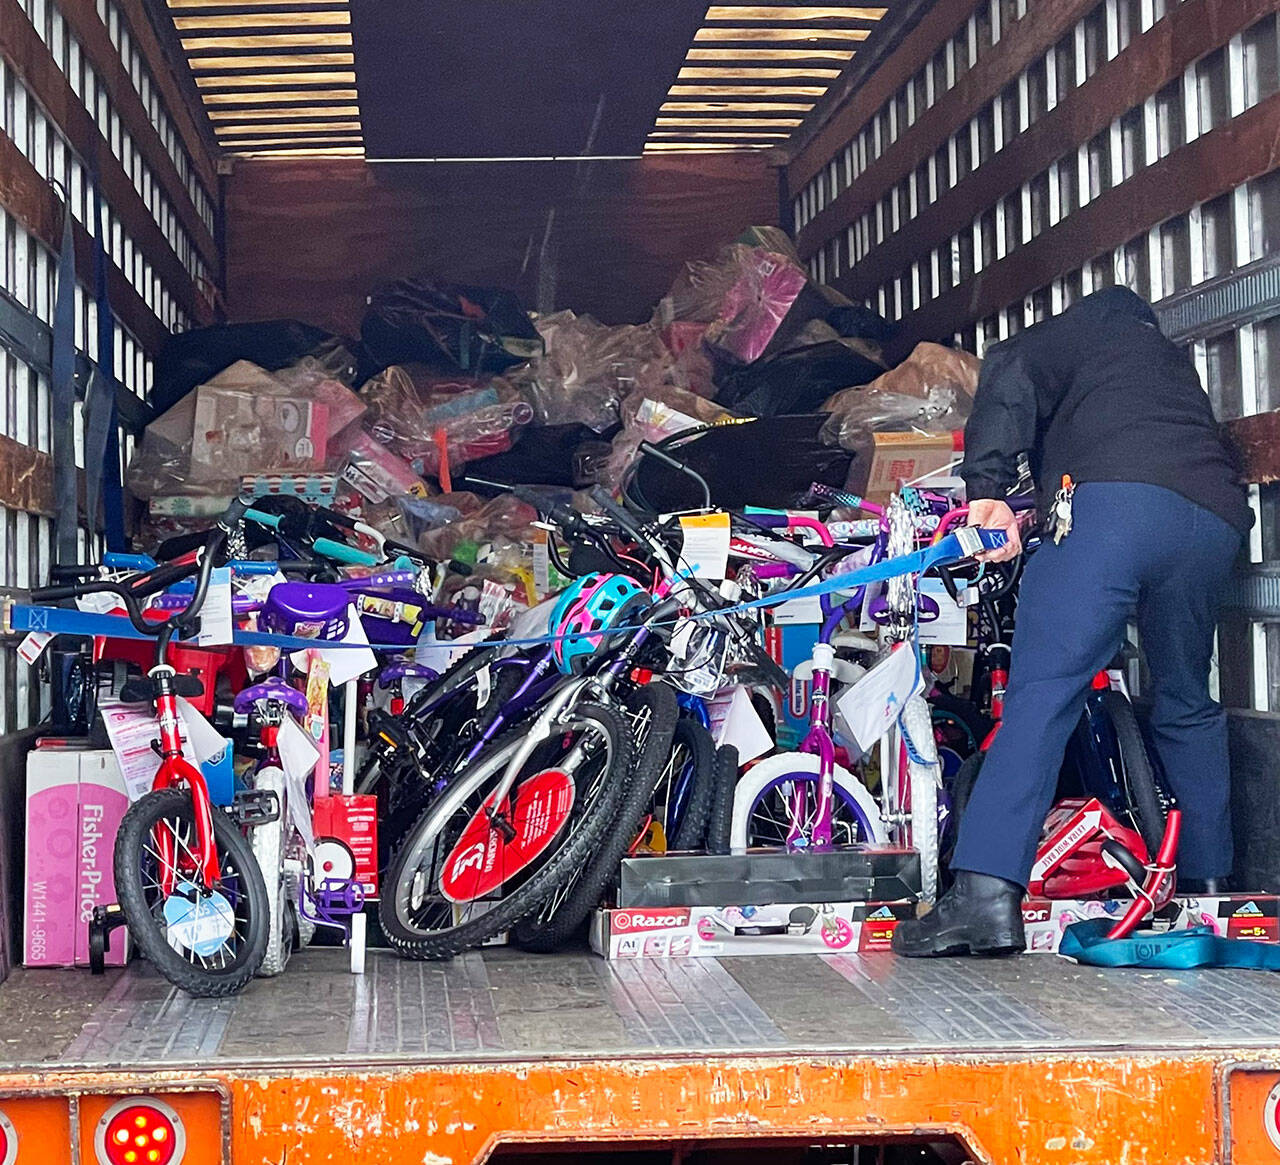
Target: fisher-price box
(75, 802)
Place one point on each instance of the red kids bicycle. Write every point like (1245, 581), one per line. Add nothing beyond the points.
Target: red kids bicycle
(186, 879)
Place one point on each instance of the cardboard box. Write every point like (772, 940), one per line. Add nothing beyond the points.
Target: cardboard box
(889, 459)
(1255, 917)
(795, 928)
(75, 802)
(353, 821)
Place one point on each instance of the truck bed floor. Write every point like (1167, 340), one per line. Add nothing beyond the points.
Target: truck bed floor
(507, 1006)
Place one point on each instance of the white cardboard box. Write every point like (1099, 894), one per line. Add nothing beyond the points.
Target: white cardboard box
(682, 932)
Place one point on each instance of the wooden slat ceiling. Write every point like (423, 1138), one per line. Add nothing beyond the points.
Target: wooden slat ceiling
(277, 76)
(754, 71)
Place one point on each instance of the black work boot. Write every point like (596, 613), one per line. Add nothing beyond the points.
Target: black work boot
(979, 915)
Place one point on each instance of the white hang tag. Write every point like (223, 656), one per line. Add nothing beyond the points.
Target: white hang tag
(872, 705)
(216, 626)
(483, 686)
(705, 550)
(298, 752)
(32, 647)
(541, 562)
(735, 721)
(349, 663)
(951, 627)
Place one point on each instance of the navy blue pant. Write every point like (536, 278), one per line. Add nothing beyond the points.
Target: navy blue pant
(1134, 550)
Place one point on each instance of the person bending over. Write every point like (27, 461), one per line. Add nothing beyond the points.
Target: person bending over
(1157, 517)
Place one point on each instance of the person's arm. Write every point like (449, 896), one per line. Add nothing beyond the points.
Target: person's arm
(1001, 427)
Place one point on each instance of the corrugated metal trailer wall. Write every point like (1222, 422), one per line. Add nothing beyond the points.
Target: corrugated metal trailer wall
(86, 99)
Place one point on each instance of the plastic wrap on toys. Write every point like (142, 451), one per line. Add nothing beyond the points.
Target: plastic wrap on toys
(651, 416)
(422, 515)
(501, 518)
(862, 411)
(242, 421)
(378, 473)
(311, 377)
(191, 358)
(929, 367)
(742, 296)
(420, 417)
(589, 368)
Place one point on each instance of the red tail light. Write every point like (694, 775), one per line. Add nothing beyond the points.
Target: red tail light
(140, 1132)
(8, 1141)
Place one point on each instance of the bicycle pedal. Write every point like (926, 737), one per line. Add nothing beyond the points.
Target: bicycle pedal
(256, 807)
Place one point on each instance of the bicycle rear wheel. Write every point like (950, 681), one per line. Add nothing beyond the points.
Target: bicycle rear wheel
(206, 941)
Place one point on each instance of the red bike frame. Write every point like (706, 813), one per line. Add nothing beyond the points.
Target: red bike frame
(177, 772)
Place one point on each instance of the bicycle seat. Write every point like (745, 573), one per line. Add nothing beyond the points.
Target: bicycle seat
(927, 609)
(142, 689)
(273, 690)
(307, 610)
(400, 671)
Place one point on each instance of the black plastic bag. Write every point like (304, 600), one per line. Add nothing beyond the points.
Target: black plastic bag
(188, 359)
(450, 327)
(796, 381)
(752, 463)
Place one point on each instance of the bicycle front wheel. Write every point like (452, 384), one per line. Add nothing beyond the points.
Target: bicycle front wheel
(471, 868)
(207, 941)
(765, 801)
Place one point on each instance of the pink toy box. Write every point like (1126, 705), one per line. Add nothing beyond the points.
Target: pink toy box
(75, 801)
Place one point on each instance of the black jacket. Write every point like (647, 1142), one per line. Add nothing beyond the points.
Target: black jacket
(1100, 394)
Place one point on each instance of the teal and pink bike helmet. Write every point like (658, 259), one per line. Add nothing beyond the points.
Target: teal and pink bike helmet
(587, 609)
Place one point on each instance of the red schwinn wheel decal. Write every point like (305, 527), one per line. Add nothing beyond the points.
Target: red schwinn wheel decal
(483, 859)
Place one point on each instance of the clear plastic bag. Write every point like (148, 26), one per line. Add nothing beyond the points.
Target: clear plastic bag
(243, 421)
(590, 368)
(742, 296)
(418, 416)
(861, 411)
(931, 391)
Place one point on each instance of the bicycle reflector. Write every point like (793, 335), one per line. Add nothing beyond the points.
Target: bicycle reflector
(140, 1132)
(8, 1141)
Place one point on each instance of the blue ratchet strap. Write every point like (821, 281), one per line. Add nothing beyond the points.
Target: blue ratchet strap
(63, 385)
(66, 621)
(965, 542)
(102, 429)
(1174, 950)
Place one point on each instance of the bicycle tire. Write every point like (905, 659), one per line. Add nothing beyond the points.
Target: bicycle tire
(149, 932)
(720, 824)
(691, 828)
(569, 852)
(267, 843)
(1137, 779)
(779, 767)
(550, 925)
